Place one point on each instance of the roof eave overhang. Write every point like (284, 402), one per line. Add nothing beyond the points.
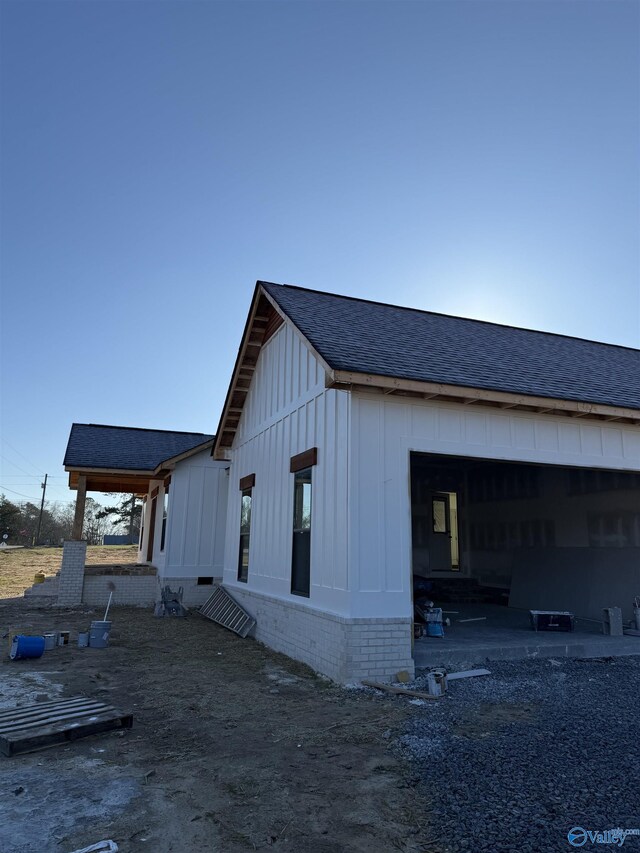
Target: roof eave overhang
(111, 479)
(240, 381)
(254, 337)
(393, 386)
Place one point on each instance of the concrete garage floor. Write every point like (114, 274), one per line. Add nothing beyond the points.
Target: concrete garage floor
(506, 634)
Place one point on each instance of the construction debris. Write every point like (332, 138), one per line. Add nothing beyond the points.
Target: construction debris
(552, 620)
(612, 624)
(399, 691)
(474, 619)
(100, 847)
(225, 610)
(171, 603)
(50, 723)
(467, 673)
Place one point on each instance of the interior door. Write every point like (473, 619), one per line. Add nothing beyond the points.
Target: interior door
(440, 537)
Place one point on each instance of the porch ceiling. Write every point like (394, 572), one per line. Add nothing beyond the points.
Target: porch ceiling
(100, 480)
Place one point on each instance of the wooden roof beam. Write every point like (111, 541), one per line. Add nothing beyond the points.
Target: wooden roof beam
(481, 396)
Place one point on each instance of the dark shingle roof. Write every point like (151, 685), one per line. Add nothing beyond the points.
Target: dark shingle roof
(126, 448)
(370, 337)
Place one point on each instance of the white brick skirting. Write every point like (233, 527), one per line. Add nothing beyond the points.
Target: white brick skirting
(132, 590)
(345, 649)
(71, 580)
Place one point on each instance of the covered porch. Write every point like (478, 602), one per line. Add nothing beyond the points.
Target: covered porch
(121, 460)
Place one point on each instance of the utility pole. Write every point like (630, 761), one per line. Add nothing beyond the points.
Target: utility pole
(43, 486)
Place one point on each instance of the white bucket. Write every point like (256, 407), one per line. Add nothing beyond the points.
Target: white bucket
(50, 641)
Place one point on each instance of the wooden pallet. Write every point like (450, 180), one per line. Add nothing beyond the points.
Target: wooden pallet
(223, 609)
(50, 723)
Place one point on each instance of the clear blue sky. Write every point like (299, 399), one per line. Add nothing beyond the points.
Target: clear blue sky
(476, 158)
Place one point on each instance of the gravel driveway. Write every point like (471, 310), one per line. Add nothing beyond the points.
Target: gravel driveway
(514, 760)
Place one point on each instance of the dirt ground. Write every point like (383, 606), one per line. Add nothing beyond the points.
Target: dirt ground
(234, 748)
(17, 567)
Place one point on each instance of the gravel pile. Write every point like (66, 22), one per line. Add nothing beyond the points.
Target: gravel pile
(512, 761)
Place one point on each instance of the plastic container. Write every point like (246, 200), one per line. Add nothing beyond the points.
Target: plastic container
(50, 641)
(63, 638)
(99, 635)
(83, 639)
(23, 646)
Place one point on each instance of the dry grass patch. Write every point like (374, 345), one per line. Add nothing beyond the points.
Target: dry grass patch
(18, 567)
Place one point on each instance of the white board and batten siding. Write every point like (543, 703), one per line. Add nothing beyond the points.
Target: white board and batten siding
(287, 411)
(384, 433)
(196, 520)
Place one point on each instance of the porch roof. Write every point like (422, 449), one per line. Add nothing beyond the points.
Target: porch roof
(125, 459)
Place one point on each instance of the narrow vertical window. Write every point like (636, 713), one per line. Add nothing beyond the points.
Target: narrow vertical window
(165, 510)
(301, 554)
(246, 486)
(143, 518)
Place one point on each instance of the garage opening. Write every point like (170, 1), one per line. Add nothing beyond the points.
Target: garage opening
(524, 537)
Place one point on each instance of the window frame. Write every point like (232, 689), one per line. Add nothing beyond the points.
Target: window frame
(244, 539)
(301, 466)
(165, 515)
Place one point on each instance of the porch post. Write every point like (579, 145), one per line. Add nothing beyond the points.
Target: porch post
(74, 553)
(81, 497)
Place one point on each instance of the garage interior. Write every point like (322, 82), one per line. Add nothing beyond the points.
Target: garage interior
(492, 540)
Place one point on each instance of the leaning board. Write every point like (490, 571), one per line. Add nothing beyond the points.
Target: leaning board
(50, 723)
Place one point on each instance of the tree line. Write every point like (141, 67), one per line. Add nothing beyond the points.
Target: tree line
(19, 521)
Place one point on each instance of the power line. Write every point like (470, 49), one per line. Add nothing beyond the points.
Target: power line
(13, 491)
(13, 464)
(32, 498)
(34, 476)
(22, 456)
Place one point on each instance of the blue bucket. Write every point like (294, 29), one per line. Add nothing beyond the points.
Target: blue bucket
(26, 647)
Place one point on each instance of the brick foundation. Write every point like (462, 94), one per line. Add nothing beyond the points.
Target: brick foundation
(137, 590)
(345, 649)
